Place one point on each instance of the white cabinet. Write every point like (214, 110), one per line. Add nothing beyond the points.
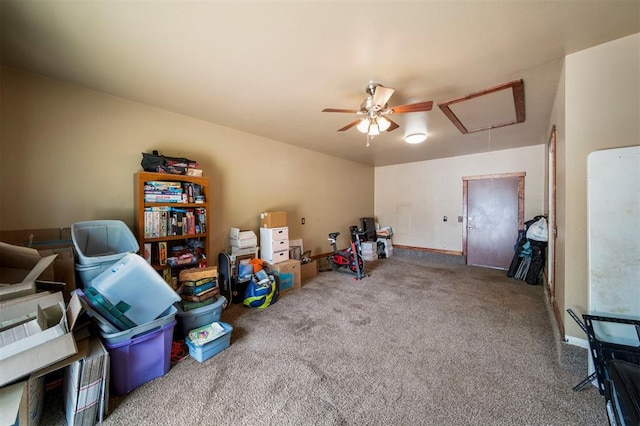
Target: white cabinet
(274, 244)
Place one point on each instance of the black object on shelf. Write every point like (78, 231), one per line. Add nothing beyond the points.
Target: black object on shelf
(368, 224)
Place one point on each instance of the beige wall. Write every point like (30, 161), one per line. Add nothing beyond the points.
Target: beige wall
(602, 111)
(69, 154)
(558, 119)
(413, 198)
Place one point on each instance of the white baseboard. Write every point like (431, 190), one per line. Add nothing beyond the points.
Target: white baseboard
(576, 341)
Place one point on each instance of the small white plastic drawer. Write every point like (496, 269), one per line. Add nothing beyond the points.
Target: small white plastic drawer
(274, 245)
(274, 233)
(276, 257)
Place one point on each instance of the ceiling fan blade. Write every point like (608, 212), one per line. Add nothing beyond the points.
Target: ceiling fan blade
(350, 111)
(393, 126)
(417, 107)
(381, 95)
(350, 125)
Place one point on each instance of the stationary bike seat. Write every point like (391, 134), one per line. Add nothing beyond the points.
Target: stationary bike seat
(334, 235)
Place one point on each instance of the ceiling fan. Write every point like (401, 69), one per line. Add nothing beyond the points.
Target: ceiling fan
(376, 112)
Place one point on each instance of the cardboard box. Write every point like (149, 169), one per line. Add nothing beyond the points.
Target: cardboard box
(273, 219)
(85, 380)
(308, 271)
(287, 272)
(242, 239)
(36, 343)
(23, 264)
(22, 403)
(236, 251)
(48, 242)
(40, 239)
(63, 269)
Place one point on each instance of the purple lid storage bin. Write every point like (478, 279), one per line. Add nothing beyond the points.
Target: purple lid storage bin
(140, 359)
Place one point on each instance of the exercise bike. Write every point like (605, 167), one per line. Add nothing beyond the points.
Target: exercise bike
(349, 258)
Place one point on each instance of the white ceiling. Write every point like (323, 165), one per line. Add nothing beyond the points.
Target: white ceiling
(270, 67)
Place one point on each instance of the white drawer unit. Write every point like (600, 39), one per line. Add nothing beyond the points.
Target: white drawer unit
(274, 233)
(274, 244)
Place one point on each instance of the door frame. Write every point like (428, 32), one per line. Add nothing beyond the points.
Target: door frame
(550, 273)
(465, 206)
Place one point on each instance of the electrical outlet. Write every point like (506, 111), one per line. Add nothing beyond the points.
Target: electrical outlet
(302, 221)
(444, 219)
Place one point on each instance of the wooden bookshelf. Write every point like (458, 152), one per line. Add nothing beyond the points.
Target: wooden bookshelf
(172, 241)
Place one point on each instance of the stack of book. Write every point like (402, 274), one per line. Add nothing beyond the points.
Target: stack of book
(172, 192)
(163, 221)
(198, 287)
(163, 192)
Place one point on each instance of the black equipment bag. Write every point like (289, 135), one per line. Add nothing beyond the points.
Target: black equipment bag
(225, 276)
(230, 288)
(155, 162)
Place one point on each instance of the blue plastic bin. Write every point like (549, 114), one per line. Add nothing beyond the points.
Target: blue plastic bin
(206, 351)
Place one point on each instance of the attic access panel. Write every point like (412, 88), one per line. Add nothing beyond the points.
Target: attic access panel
(497, 106)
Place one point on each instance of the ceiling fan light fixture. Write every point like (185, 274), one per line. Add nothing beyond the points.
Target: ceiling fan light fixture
(363, 125)
(383, 124)
(373, 129)
(415, 138)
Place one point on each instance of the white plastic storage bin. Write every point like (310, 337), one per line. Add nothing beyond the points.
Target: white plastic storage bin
(133, 281)
(102, 241)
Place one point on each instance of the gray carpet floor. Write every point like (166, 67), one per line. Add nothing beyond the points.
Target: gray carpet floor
(413, 343)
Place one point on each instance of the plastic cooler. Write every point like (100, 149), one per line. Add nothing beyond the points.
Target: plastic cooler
(99, 244)
(141, 358)
(132, 281)
(188, 320)
(206, 351)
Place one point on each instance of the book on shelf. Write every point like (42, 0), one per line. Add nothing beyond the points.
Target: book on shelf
(189, 306)
(163, 221)
(147, 252)
(163, 198)
(201, 219)
(162, 185)
(162, 253)
(197, 282)
(182, 260)
(198, 290)
(163, 191)
(201, 297)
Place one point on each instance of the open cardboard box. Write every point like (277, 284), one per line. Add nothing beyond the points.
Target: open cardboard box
(47, 242)
(37, 339)
(22, 403)
(19, 269)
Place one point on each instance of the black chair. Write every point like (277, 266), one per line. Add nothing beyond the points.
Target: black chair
(617, 367)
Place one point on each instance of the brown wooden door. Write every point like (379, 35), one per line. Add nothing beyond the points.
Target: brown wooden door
(493, 218)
